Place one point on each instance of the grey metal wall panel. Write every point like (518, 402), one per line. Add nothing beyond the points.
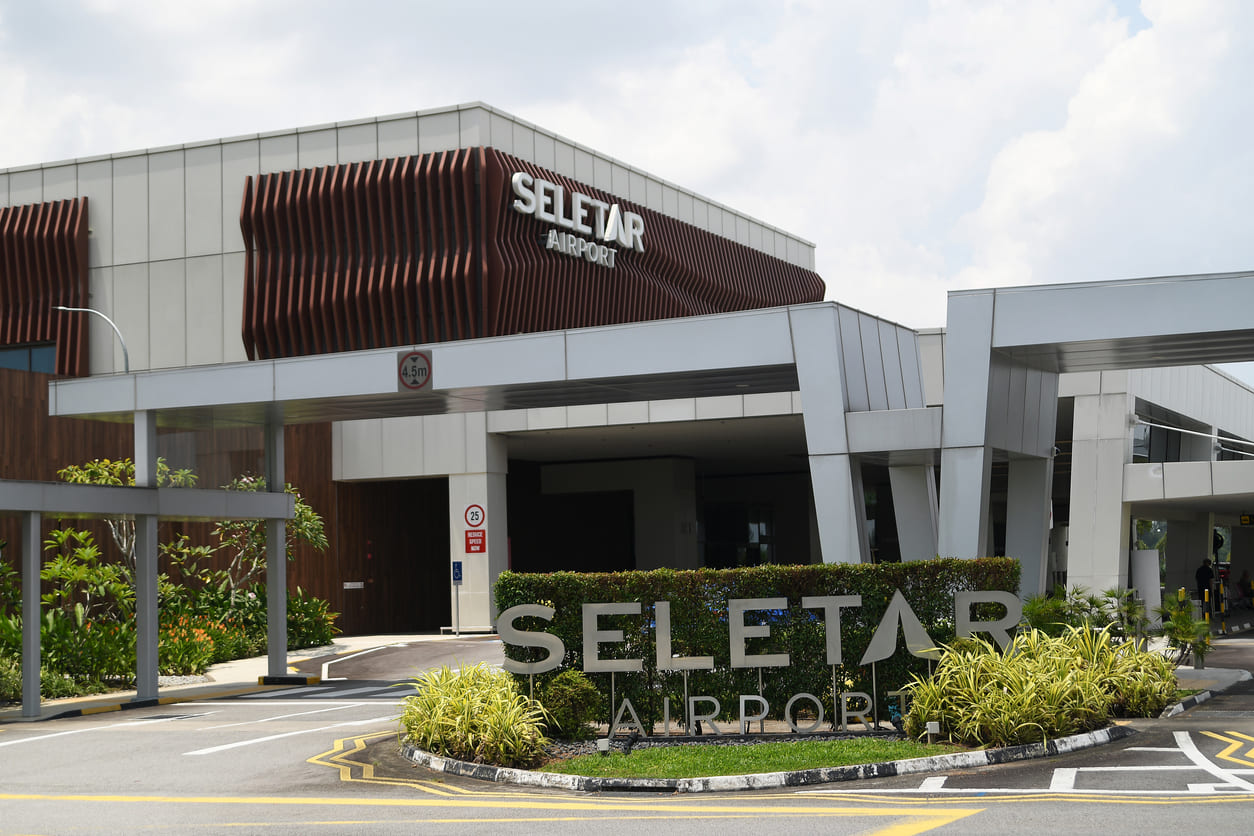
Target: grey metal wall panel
(26, 187)
(475, 126)
(869, 334)
(970, 328)
(4, 190)
(60, 183)
(355, 143)
(585, 166)
(564, 158)
(524, 142)
(911, 376)
(130, 312)
(95, 182)
(1015, 407)
(167, 201)
(130, 210)
(852, 361)
(502, 133)
(438, 132)
(637, 188)
(279, 153)
(998, 392)
(684, 207)
(891, 359)
(239, 160)
(1032, 406)
(167, 314)
(602, 174)
(316, 148)
(203, 180)
(204, 309)
(620, 180)
(653, 195)
(546, 151)
(398, 137)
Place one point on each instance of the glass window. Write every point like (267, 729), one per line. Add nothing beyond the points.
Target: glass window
(33, 357)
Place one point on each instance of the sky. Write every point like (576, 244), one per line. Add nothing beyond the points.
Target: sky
(923, 147)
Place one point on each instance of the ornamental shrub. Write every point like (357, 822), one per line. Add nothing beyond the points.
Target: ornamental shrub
(185, 648)
(572, 703)
(1039, 688)
(474, 714)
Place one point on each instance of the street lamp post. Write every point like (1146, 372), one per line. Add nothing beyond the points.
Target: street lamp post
(126, 357)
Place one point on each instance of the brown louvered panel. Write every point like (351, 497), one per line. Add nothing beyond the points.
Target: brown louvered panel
(43, 263)
(427, 249)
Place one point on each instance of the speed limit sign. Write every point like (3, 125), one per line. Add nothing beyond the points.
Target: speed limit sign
(475, 515)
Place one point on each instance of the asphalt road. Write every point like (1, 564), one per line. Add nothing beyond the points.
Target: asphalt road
(323, 759)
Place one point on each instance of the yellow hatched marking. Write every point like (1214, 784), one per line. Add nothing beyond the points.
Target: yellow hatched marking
(338, 758)
(1233, 745)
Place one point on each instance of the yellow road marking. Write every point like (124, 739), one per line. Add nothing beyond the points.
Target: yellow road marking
(337, 757)
(1019, 798)
(1233, 745)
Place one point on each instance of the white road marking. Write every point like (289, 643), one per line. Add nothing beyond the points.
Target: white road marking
(141, 721)
(1063, 780)
(241, 743)
(281, 716)
(327, 665)
(286, 692)
(1186, 744)
(932, 783)
(381, 689)
(1152, 749)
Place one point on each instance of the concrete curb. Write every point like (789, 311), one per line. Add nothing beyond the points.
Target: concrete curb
(766, 780)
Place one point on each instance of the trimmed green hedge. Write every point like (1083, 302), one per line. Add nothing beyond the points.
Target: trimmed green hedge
(699, 626)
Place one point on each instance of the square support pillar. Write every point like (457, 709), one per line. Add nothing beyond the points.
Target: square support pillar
(147, 622)
(276, 552)
(31, 658)
(966, 457)
(1027, 520)
(147, 618)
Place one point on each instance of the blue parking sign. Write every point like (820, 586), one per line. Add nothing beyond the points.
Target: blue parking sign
(457, 573)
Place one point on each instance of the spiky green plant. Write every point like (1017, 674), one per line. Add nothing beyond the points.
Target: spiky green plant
(1040, 687)
(474, 714)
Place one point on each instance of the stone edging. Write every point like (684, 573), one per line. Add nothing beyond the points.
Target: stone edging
(767, 780)
(1185, 704)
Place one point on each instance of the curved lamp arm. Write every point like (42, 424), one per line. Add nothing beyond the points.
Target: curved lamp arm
(126, 357)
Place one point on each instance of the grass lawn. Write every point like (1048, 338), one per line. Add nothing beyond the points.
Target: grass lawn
(705, 761)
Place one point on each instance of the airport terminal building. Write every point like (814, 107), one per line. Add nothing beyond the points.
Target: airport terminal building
(472, 341)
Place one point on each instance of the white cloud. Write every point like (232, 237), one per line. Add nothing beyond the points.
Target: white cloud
(922, 147)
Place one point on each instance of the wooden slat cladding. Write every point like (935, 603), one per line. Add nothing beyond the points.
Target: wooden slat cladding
(427, 249)
(43, 262)
(358, 256)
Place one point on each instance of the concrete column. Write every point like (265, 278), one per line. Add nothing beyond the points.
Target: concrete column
(965, 476)
(276, 552)
(1099, 518)
(966, 459)
(477, 503)
(914, 503)
(31, 658)
(147, 621)
(1027, 520)
(841, 509)
(839, 504)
